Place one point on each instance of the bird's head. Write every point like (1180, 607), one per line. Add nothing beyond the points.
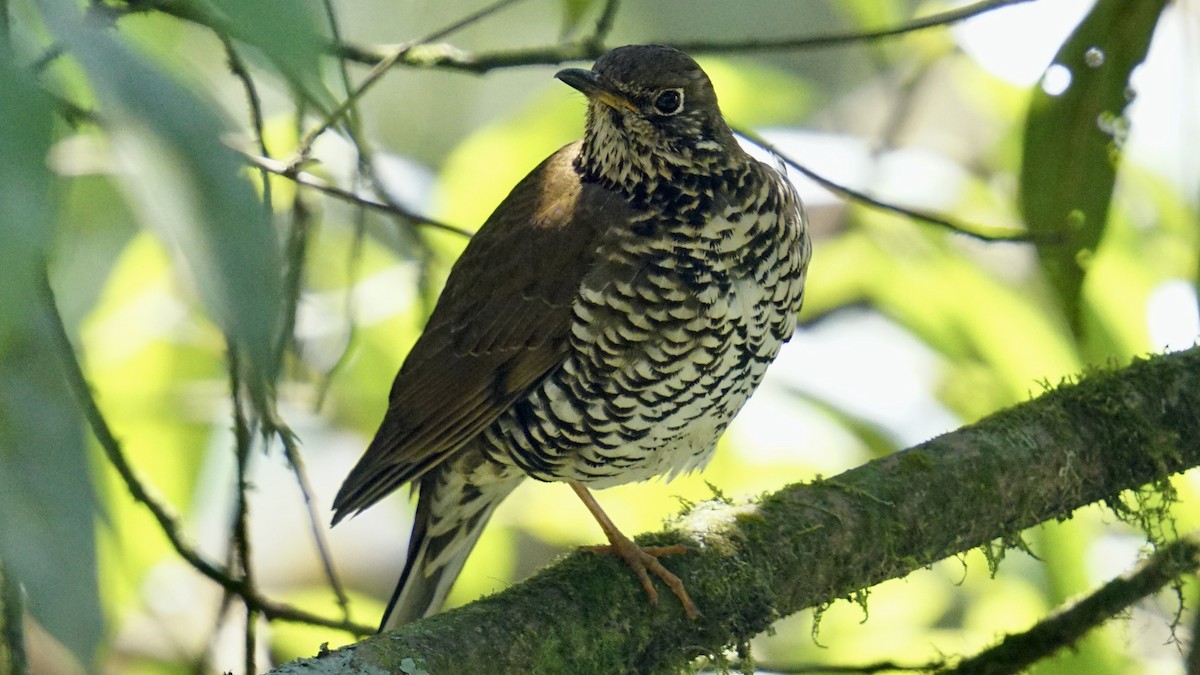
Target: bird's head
(652, 113)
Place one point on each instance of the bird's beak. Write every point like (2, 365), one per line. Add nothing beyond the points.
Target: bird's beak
(595, 88)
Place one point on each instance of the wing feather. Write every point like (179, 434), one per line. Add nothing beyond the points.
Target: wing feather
(500, 327)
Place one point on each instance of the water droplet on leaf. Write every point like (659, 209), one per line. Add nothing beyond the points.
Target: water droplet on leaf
(1056, 80)
(1116, 126)
(1094, 57)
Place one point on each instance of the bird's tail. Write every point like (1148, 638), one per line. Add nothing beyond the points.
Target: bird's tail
(456, 500)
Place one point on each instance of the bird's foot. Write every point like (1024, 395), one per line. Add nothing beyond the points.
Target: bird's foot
(643, 560)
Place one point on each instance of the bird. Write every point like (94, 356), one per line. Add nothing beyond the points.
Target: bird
(603, 326)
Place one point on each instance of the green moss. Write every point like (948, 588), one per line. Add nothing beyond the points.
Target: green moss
(916, 460)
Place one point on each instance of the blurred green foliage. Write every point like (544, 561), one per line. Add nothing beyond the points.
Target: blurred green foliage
(119, 170)
(45, 496)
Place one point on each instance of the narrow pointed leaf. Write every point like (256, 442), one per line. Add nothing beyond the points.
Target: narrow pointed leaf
(1073, 140)
(47, 508)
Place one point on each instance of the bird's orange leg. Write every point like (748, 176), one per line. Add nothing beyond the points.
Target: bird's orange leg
(642, 560)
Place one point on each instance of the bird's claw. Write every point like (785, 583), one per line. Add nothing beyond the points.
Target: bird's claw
(643, 560)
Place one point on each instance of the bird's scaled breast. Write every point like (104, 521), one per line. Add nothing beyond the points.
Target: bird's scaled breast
(673, 331)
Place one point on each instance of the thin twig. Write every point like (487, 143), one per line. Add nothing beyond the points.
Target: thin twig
(296, 462)
(297, 254)
(167, 521)
(251, 642)
(449, 57)
(842, 39)
(238, 67)
(1192, 661)
(241, 530)
(335, 31)
(309, 180)
(981, 232)
(353, 119)
(348, 108)
(366, 169)
(297, 247)
(295, 261)
(353, 266)
(48, 57)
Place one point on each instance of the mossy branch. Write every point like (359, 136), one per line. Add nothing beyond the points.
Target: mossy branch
(808, 545)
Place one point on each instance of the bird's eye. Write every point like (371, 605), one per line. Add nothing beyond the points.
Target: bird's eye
(669, 102)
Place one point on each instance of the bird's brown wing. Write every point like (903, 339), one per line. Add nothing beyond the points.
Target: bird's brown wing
(500, 327)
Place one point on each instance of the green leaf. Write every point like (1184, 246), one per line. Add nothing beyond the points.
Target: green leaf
(47, 537)
(1073, 140)
(186, 185)
(286, 32)
(25, 231)
(46, 501)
